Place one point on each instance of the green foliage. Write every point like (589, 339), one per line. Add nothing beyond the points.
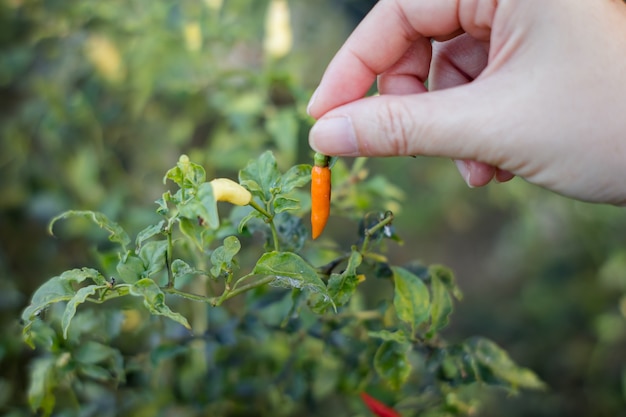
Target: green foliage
(98, 100)
(287, 299)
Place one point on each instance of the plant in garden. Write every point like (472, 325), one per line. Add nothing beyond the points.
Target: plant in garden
(284, 326)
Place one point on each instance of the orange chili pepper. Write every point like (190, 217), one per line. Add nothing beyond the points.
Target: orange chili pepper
(320, 194)
(377, 407)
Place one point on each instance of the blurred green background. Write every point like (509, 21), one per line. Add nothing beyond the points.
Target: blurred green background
(98, 99)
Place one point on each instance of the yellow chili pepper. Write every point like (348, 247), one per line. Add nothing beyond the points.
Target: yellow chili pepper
(225, 189)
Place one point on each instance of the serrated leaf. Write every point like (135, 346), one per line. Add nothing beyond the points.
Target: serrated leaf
(392, 364)
(441, 305)
(291, 271)
(149, 232)
(261, 176)
(297, 176)
(222, 256)
(116, 232)
(78, 298)
(411, 298)
(154, 300)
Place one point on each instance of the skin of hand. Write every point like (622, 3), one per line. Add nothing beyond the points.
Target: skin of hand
(531, 88)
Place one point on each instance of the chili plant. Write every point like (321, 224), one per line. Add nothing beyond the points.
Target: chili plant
(227, 299)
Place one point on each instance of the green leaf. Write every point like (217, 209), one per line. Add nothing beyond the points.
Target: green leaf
(398, 336)
(441, 305)
(149, 232)
(295, 177)
(154, 300)
(411, 298)
(42, 383)
(222, 256)
(201, 208)
(181, 268)
(186, 173)
(153, 256)
(56, 289)
(78, 298)
(116, 233)
(392, 364)
(446, 276)
(283, 204)
(100, 362)
(261, 176)
(291, 271)
(130, 268)
(497, 368)
(342, 286)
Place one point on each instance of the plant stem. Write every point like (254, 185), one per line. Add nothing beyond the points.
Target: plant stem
(216, 301)
(168, 258)
(260, 209)
(370, 232)
(270, 221)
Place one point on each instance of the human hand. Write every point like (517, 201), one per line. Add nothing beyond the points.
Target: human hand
(530, 88)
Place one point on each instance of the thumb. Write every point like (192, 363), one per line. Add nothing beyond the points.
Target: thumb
(459, 123)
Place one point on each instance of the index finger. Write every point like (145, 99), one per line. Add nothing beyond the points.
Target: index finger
(382, 38)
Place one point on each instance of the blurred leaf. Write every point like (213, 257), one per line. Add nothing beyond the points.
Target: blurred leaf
(261, 176)
(446, 276)
(392, 364)
(496, 367)
(154, 300)
(116, 233)
(43, 381)
(398, 336)
(222, 256)
(91, 353)
(441, 305)
(282, 125)
(290, 271)
(411, 298)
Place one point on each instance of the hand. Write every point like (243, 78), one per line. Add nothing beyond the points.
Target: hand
(531, 88)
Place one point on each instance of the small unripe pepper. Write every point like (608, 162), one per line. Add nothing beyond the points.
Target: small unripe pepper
(225, 189)
(320, 194)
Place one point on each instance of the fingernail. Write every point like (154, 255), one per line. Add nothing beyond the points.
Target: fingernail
(311, 101)
(334, 136)
(464, 170)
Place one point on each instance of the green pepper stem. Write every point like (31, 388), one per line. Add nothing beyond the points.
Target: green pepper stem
(321, 160)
